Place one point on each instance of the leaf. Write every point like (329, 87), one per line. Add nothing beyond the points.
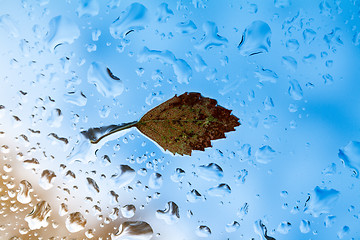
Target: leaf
(181, 124)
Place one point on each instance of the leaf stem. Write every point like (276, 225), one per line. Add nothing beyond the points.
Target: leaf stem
(114, 130)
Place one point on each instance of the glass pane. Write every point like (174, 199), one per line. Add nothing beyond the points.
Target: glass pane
(79, 160)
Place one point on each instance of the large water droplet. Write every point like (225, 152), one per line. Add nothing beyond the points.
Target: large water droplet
(164, 13)
(105, 82)
(295, 90)
(75, 222)
(134, 19)
(321, 201)
(155, 181)
(24, 193)
(178, 175)
(261, 230)
(8, 25)
(61, 30)
(128, 211)
(203, 231)
(88, 8)
(222, 190)
(265, 154)
(133, 230)
(282, 3)
(47, 179)
(123, 176)
(181, 68)
(39, 216)
(255, 39)
(350, 155)
(232, 227)
(187, 27)
(210, 172)
(284, 227)
(211, 38)
(171, 213)
(76, 98)
(92, 185)
(305, 226)
(266, 75)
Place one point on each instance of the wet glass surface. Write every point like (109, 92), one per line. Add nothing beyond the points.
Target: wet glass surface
(75, 70)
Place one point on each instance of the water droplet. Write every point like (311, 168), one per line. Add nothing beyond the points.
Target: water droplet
(76, 98)
(295, 90)
(343, 232)
(128, 211)
(194, 196)
(255, 39)
(88, 8)
(55, 118)
(187, 27)
(155, 181)
(265, 154)
(61, 30)
(134, 230)
(47, 179)
(211, 37)
(178, 175)
(181, 68)
(292, 45)
(164, 13)
(114, 214)
(328, 79)
(7, 24)
(38, 217)
(200, 64)
(75, 222)
(222, 190)
(31, 163)
(232, 227)
(320, 201)
(63, 209)
(92, 185)
(171, 213)
(289, 62)
(203, 231)
(241, 176)
(23, 195)
(124, 175)
(282, 3)
(270, 121)
(329, 221)
(325, 8)
(284, 227)
(268, 103)
(105, 82)
(261, 230)
(266, 75)
(210, 172)
(309, 58)
(305, 226)
(244, 152)
(350, 155)
(309, 35)
(134, 19)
